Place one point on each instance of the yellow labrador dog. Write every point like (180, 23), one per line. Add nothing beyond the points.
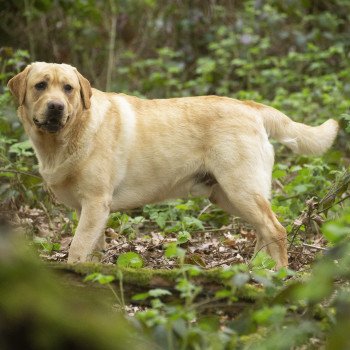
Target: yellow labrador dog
(100, 152)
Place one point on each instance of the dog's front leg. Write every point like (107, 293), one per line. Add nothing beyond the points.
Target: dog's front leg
(93, 218)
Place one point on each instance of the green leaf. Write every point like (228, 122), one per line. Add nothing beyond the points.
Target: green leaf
(193, 223)
(335, 232)
(161, 219)
(100, 278)
(39, 240)
(183, 237)
(283, 272)
(270, 315)
(209, 323)
(174, 228)
(46, 244)
(23, 148)
(277, 174)
(223, 293)
(158, 292)
(263, 261)
(130, 259)
(240, 279)
(172, 251)
(192, 270)
(105, 279)
(301, 188)
(140, 296)
(138, 220)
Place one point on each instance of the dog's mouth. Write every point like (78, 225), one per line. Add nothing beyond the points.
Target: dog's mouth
(52, 125)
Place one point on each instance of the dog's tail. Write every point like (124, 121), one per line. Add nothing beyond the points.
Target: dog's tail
(300, 138)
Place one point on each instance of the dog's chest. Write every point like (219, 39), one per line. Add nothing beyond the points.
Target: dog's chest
(67, 193)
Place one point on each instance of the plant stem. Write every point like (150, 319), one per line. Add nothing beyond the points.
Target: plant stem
(111, 46)
(342, 200)
(121, 287)
(2, 170)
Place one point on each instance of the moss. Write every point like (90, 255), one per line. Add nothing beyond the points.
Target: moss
(149, 278)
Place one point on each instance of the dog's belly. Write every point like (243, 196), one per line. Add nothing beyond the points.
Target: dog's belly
(129, 197)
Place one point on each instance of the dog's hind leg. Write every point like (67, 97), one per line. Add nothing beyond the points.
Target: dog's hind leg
(101, 243)
(252, 207)
(219, 198)
(244, 182)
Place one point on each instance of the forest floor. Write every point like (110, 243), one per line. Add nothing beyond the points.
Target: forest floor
(209, 248)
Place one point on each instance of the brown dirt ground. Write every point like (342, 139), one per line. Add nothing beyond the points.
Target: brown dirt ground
(213, 247)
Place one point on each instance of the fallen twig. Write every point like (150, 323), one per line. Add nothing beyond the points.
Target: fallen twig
(342, 200)
(204, 209)
(219, 263)
(314, 246)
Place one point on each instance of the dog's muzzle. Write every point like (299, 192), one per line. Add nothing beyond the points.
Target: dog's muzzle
(54, 115)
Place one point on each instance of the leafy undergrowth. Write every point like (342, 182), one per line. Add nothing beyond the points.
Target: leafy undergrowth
(200, 289)
(207, 248)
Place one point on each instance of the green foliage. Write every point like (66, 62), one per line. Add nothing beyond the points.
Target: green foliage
(263, 261)
(292, 309)
(39, 310)
(274, 321)
(18, 169)
(125, 224)
(337, 231)
(173, 250)
(11, 61)
(153, 293)
(46, 245)
(306, 178)
(130, 259)
(100, 278)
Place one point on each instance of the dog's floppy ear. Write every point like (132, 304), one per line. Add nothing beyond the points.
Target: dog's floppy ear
(18, 85)
(85, 90)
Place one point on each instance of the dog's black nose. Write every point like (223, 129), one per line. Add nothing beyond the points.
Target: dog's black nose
(55, 106)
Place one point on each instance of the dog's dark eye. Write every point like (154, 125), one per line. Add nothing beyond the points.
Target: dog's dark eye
(68, 88)
(41, 86)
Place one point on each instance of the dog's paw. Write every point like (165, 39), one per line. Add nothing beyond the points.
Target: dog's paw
(74, 258)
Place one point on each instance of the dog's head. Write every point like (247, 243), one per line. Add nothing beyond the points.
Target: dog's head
(51, 94)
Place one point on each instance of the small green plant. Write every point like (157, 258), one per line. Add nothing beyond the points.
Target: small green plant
(130, 259)
(100, 278)
(125, 224)
(46, 244)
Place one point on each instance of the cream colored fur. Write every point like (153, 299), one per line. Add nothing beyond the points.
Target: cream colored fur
(118, 152)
